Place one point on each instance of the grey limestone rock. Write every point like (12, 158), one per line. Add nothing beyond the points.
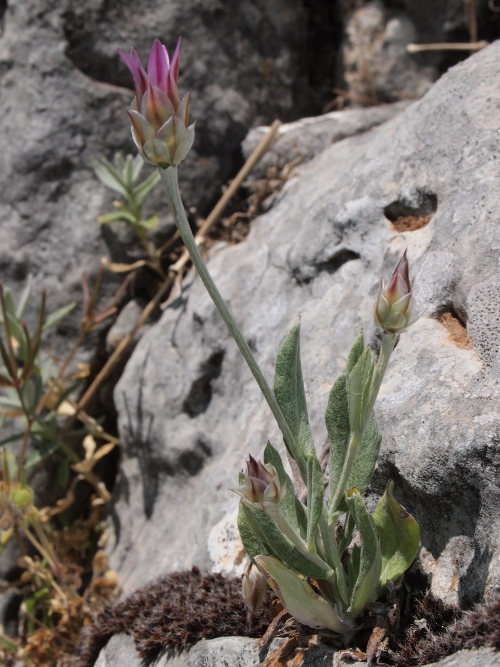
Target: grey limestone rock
(64, 96)
(190, 412)
(300, 141)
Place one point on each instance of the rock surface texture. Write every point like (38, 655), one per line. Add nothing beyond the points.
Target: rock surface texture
(190, 412)
(65, 92)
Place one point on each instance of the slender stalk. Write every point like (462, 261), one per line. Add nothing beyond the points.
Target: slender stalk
(346, 471)
(169, 178)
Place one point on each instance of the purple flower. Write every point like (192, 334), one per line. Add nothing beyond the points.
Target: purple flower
(395, 310)
(159, 117)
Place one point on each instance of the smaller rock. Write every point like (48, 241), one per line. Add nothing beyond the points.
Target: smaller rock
(302, 140)
(119, 651)
(125, 322)
(480, 658)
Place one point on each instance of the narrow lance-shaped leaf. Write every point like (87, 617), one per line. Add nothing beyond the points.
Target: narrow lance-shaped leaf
(399, 537)
(58, 315)
(249, 537)
(337, 417)
(370, 562)
(142, 190)
(110, 176)
(23, 301)
(286, 551)
(289, 392)
(138, 164)
(287, 502)
(359, 384)
(315, 495)
(117, 216)
(299, 598)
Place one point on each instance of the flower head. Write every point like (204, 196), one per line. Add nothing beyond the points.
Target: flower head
(253, 588)
(260, 487)
(159, 117)
(395, 310)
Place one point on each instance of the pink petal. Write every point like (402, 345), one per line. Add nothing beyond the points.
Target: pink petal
(156, 107)
(158, 66)
(140, 77)
(176, 61)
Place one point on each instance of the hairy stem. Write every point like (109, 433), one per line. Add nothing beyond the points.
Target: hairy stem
(169, 178)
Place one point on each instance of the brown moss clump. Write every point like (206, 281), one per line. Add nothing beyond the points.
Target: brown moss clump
(446, 631)
(173, 612)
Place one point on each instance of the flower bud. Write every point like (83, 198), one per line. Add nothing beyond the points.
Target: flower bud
(254, 588)
(260, 487)
(395, 310)
(159, 117)
(22, 496)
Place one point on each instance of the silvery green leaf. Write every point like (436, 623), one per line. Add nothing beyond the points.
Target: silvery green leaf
(23, 301)
(249, 537)
(358, 386)
(117, 216)
(138, 164)
(289, 392)
(315, 495)
(128, 171)
(10, 306)
(287, 503)
(119, 162)
(150, 223)
(110, 176)
(301, 518)
(399, 536)
(337, 417)
(299, 598)
(58, 315)
(11, 401)
(370, 561)
(353, 570)
(366, 457)
(285, 550)
(143, 189)
(17, 332)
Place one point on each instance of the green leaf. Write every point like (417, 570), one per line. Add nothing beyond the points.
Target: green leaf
(57, 316)
(285, 550)
(128, 172)
(337, 417)
(399, 537)
(301, 518)
(119, 162)
(143, 189)
(117, 216)
(354, 563)
(10, 306)
(63, 473)
(150, 223)
(4, 640)
(40, 454)
(287, 502)
(137, 165)
(23, 301)
(10, 401)
(248, 533)
(289, 392)
(359, 384)
(299, 598)
(110, 176)
(370, 562)
(315, 495)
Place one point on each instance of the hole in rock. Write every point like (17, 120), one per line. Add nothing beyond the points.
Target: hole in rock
(339, 259)
(457, 331)
(406, 218)
(3, 9)
(200, 394)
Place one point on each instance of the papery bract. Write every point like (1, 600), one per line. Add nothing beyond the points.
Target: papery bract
(395, 310)
(260, 487)
(159, 117)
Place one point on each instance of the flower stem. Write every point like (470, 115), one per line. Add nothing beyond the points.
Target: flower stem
(169, 178)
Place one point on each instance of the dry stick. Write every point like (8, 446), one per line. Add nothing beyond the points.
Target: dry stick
(173, 272)
(450, 46)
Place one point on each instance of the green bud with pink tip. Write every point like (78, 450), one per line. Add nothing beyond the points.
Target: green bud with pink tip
(395, 311)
